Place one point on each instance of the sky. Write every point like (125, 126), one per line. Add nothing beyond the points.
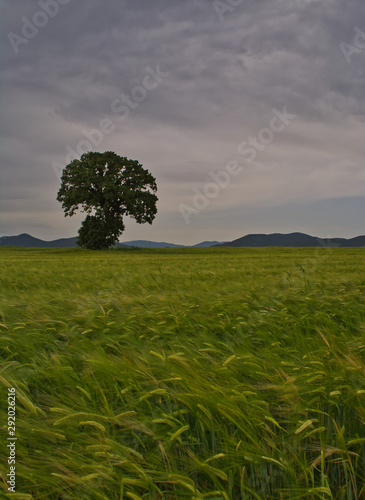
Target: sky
(250, 114)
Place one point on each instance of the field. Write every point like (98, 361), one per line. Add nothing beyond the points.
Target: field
(184, 373)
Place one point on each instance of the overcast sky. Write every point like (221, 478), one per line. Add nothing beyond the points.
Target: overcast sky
(269, 91)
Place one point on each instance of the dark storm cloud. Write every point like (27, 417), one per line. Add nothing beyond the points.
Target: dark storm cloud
(289, 54)
(226, 74)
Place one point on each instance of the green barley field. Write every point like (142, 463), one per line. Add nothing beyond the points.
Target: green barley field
(219, 374)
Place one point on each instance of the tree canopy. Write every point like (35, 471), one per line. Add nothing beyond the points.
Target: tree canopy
(106, 187)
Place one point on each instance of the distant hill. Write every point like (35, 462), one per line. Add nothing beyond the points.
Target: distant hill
(153, 244)
(251, 240)
(26, 240)
(150, 244)
(207, 244)
(359, 241)
(293, 240)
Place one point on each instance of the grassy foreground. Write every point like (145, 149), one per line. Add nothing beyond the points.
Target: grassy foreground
(184, 374)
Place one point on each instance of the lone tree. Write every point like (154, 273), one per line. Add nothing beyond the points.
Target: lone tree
(107, 187)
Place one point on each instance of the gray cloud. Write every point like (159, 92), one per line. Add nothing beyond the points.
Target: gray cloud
(225, 77)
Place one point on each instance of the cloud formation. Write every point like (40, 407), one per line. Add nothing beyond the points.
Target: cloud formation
(227, 70)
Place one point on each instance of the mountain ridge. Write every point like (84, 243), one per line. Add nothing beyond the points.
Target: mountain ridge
(250, 240)
(293, 240)
(27, 241)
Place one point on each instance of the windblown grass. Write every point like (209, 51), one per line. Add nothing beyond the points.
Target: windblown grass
(194, 373)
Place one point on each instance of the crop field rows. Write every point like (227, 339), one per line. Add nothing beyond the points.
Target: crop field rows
(219, 373)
